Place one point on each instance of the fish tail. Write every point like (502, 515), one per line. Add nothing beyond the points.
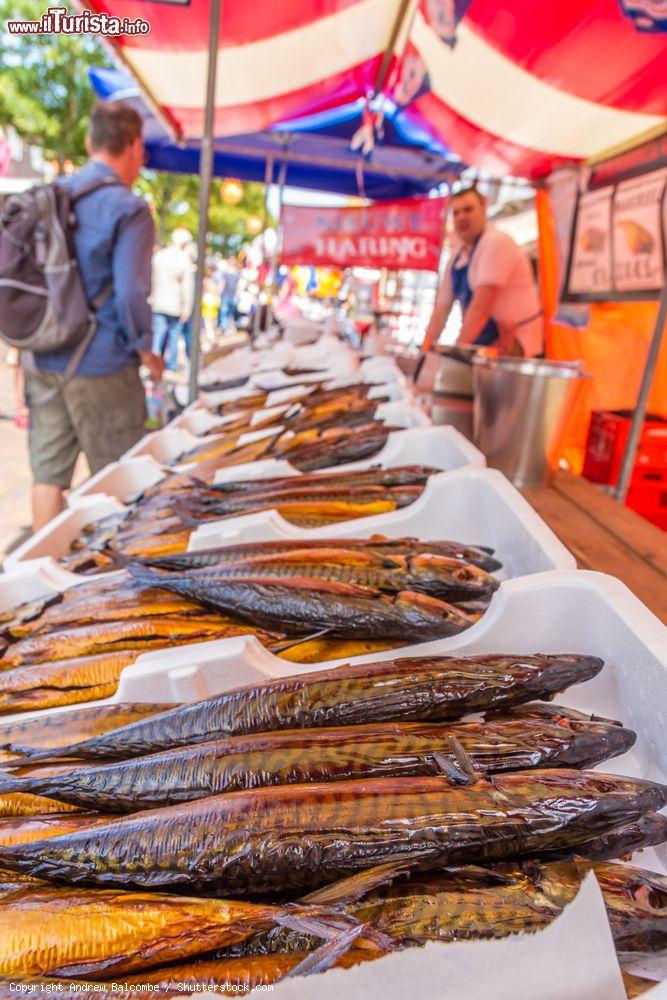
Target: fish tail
(141, 573)
(27, 754)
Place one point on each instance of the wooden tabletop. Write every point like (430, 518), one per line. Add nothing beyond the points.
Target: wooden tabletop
(604, 535)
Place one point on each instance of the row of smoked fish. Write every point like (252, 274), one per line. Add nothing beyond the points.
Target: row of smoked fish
(326, 428)
(322, 819)
(304, 600)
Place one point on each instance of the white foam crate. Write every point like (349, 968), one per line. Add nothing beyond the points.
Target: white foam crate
(394, 391)
(441, 447)
(198, 420)
(124, 480)
(55, 538)
(300, 331)
(328, 354)
(172, 442)
(473, 506)
(382, 369)
(403, 414)
(574, 611)
(554, 612)
(165, 445)
(133, 474)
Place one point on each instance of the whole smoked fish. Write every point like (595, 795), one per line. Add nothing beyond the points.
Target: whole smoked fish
(292, 838)
(411, 689)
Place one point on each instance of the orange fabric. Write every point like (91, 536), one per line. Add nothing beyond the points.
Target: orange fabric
(548, 254)
(613, 347)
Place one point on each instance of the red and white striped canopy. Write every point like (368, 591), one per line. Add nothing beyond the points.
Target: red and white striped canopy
(276, 59)
(528, 85)
(531, 84)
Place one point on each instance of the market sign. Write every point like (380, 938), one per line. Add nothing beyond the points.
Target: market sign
(618, 246)
(393, 234)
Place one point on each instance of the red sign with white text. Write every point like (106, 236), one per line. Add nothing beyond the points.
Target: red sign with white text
(393, 234)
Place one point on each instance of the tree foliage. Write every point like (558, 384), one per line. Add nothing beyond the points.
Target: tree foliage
(175, 199)
(45, 94)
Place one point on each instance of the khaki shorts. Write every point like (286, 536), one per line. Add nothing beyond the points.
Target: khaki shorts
(102, 416)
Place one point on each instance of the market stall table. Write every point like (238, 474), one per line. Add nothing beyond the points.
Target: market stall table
(605, 536)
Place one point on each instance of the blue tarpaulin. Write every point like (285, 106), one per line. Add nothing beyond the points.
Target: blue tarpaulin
(310, 152)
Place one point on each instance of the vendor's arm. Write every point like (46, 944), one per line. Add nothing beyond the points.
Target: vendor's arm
(444, 301)
(132, 254)
(478, 313)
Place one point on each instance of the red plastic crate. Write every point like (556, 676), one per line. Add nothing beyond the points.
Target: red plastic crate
(607, 436)
(648, 497)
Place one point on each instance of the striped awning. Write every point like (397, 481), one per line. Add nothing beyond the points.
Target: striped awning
(531, 85)
(528, 84)
(276, 59)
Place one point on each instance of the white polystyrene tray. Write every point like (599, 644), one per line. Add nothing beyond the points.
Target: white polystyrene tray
(140, 468)
(55, 538)
(198, 420)
(265, 368)
(299, 331)
(441, 447)
(473, 506)
(327, 351)
(164, 445)
(554, 612)
(485, 511)
(170, 443)
(395, 391)
(123, 480)
(403, 414)
(382, 369)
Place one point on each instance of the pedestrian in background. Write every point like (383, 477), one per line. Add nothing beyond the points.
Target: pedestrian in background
(172, 295)
(227, 277)
(100, 410)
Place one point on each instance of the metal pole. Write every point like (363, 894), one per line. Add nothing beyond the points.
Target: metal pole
(279, 224)
(205, 174)
(631, 447)
(262, 285)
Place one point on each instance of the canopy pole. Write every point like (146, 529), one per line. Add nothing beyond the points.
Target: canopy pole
(263, 285)
(205, 174)
(630, 454)
(279, 224)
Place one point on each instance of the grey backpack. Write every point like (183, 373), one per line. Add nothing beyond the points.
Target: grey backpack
(43, 304)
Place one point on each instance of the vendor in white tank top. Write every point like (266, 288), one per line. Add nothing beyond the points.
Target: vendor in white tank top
(491, 277)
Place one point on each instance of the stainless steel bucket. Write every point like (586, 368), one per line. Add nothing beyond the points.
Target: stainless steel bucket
(521, 410)
(453, 375)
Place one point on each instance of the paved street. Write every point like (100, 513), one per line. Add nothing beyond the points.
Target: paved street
(15, 479)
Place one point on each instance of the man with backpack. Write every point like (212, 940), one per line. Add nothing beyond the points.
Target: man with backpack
(84, 331)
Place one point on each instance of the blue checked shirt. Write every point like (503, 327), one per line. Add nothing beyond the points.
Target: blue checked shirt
(114, 244)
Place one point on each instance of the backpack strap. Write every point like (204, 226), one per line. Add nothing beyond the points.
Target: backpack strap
(93, 185)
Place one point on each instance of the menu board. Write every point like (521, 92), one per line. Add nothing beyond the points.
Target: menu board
(618, 246)
(591, 266)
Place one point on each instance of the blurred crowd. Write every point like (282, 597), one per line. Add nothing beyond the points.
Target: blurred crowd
(228, 294)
